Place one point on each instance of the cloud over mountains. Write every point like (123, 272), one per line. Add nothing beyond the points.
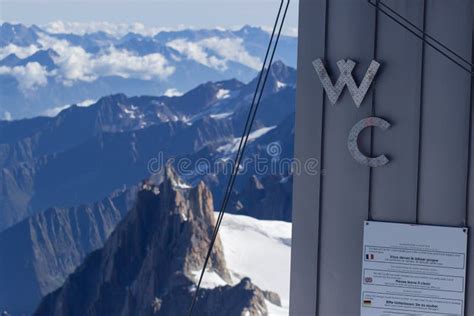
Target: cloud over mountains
(74, 63)
(19, 51)
(29, 76)
(227, 49)
(114, 29)
(64, 63)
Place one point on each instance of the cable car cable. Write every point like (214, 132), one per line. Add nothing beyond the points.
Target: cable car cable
(244, 139)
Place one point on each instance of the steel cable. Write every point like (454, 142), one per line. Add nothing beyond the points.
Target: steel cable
(272, 45)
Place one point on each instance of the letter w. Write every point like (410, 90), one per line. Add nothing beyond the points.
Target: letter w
(345, 78)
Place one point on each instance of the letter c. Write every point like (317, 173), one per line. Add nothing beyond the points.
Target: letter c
(354, 146)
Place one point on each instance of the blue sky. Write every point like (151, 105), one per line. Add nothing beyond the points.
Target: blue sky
(162, 13)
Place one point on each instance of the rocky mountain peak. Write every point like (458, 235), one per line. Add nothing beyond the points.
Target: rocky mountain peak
(11, 60)
(44, 58)
(17, 34)
(153, 256)
(280, 76)
(206, 95)
(192, 209)
(113, 99)
(240, 300)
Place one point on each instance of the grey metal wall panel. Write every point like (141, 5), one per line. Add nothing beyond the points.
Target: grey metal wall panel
(349, 193)
(345, 192)
(397, 99)
(470, 199)
(307, 145)
(470, 220)
(445, 121)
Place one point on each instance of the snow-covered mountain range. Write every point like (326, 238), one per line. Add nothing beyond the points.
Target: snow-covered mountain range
(42, 69)
(88, 117)
(73, 157)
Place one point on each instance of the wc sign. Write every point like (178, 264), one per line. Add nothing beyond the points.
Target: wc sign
(357, 92)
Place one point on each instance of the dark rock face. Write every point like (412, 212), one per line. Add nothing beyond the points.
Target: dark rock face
(265, 192)
(146, 266)
(37, 254)
(242, 299)
(268, 198)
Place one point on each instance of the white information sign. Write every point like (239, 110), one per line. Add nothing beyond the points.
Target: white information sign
(414, 270)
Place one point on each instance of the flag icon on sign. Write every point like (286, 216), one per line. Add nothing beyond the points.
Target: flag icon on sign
(369, 256)
(367, 302)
